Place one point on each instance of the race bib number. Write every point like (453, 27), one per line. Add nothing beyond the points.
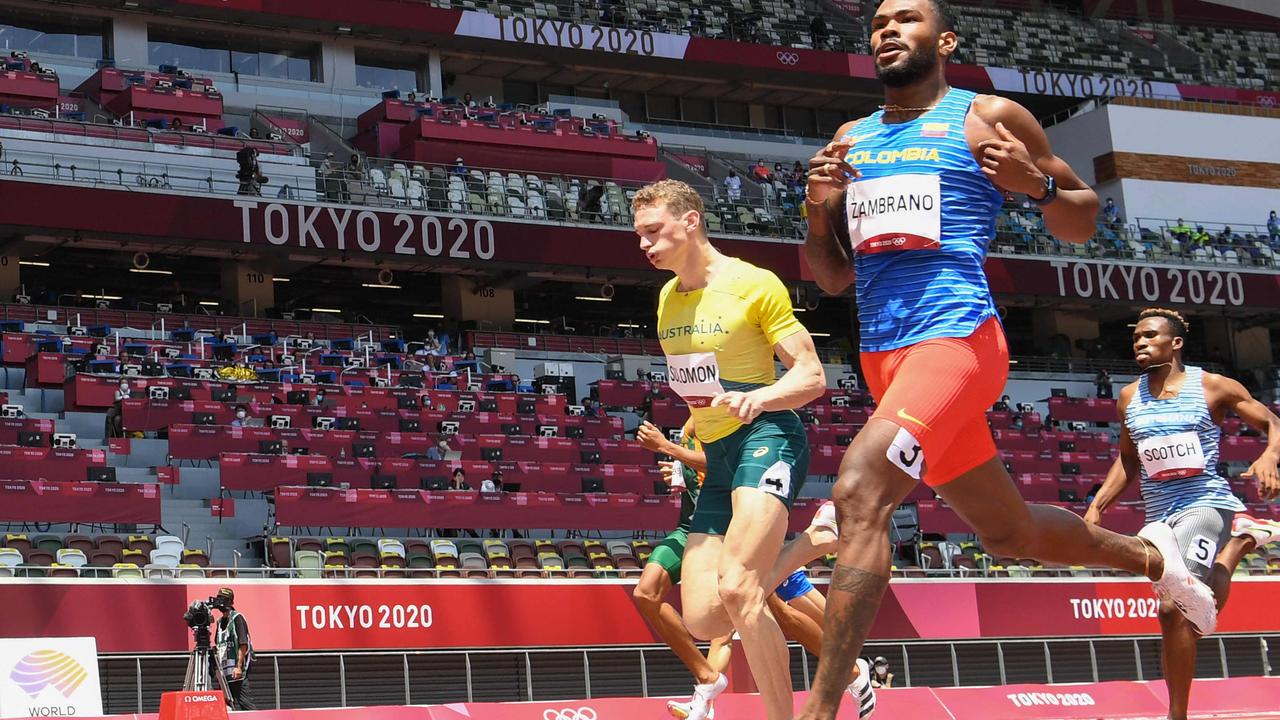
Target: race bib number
(777, 480)
(1202, 550)
(898, 212)
(695, 377)
(1170, 457)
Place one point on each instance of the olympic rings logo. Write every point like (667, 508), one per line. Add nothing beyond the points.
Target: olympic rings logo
(788, 58)
(582, 713)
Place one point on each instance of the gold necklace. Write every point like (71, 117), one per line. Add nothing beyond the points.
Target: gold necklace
(901, 109)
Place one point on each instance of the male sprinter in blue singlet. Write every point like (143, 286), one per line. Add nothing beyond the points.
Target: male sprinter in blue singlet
(1171, 429)
(904, 202)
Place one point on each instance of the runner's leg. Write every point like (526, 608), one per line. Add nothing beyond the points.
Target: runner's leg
(869, 489)
(650, 595)
(704, 613)
(750, 549)
(798, 620)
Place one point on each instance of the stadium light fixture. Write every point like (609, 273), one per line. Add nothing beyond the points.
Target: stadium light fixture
(210, 303)
(277, 279)
(592, 298)
(102, 297)
(628, 325)
(33, 263)
(380, 286)
(429, 316)
(149, 271)
(325, 310)
(533, 322)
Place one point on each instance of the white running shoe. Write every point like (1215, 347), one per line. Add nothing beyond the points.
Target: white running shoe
(1264, 531)
(702, 705)
(1179, 586)
(864, 696)
(826, 517)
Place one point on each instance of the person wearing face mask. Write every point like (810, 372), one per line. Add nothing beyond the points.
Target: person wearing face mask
(242, 418)
(880, 675)
(115, 417)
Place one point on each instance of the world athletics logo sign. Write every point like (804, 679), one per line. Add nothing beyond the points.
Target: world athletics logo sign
(49, 677)
(48, 668)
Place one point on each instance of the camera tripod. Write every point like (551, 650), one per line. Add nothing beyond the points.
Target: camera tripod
(202, 665)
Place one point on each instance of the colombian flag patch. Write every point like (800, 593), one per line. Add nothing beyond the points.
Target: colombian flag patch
(934, 129)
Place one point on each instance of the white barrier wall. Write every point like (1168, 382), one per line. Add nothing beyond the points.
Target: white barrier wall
(1204, 137)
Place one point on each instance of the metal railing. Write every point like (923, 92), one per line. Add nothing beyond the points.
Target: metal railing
(987, 570)
(145, 174)
(156, 137)
(133, 682)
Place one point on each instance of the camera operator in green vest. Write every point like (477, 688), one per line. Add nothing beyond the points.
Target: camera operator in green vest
(235, 651)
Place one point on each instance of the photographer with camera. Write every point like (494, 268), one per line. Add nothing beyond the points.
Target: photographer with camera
(235, 650)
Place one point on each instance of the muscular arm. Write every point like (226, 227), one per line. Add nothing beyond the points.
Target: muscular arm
(803, 382)
(1259, 417)
(1122, 472)
(824, 243)
(1072, 216)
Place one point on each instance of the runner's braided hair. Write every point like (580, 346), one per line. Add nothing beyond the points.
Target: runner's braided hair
(1177, 324)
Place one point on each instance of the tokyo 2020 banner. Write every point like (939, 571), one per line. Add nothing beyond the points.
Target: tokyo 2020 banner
(405, 614)
(320, 229)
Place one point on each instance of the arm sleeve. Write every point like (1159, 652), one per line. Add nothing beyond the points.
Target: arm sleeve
(772, 305)
(242, 630)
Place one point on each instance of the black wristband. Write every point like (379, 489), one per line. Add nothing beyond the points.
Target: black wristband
(1050, 192)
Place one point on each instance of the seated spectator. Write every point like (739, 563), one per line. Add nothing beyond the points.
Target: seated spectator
(733, 185)
(1200, 238)
(318, 398)
(1273, 228)
(459, 480)
(439, 450)
(468, 101)
(1002, 405)
(1226, 238)
(1111, 213)
(589, 407)
(242, 418)
(412, 97)
(488, 486)
(760, 173)
(459, 168)
(176, 124)
(254, 134)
